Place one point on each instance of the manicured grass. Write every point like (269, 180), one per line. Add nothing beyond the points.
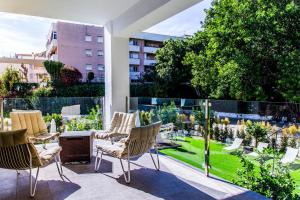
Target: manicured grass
(223, 164)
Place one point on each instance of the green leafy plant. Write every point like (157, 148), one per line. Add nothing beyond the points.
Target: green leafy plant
(53, 68)
(90, 76)
(9, 78)
(258, 131)
(58, 120)
(42, 92)
(92, 121)
(146, 117)
(167, 113)
(273, 182)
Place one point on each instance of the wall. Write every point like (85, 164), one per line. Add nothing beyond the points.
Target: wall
(72, 46)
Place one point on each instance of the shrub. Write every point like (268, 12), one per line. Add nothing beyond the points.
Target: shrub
(42, 92)
(53, 68)
(70, 75)
(90, 76)
(146, 117)
(167, 113)
(24, 89)
(276, 184)
(86, 90)
(9, 78)
(258, 131)
(58, 120)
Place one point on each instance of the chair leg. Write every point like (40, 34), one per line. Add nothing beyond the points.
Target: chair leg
(126, 177)
(59, 166)
(157, 166)
(98, 160)
(33, 185)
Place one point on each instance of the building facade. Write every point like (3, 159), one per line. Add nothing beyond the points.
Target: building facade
(82, 46)
(142, 50)
(31, 63)
(77, 45)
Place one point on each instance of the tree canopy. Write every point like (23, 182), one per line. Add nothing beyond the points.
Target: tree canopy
(246, 50)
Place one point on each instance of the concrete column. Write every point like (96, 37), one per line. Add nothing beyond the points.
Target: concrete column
(116, 74)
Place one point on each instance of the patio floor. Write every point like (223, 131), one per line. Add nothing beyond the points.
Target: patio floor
(174, 181)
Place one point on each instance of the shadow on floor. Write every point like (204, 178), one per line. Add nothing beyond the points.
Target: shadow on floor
(248, 195)
(162, 185)
(89, 168)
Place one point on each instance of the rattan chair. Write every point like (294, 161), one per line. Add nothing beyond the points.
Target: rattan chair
(139, 141)
(18, 153)
(121, 125)
(34, 123)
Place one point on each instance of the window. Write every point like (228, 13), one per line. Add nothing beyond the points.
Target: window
(134, 68)
(88, 52)
(133, 55)
(54, 35)
(88, 67)
(100, 39)
(100, 67)
(88, 38)
(100, 53)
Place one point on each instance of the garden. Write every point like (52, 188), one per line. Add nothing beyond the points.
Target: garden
(265, 173)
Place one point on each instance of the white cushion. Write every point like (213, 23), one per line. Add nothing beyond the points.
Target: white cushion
(137, 119)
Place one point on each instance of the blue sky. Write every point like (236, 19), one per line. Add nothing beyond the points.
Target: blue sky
(26, 34)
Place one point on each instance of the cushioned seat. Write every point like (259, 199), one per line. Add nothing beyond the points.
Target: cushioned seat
(139, 141)
(120, 127)
(18, 152)
(47, 155)
(32, 121)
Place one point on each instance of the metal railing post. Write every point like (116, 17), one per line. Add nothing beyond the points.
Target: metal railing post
(206, 137)
(2, 113)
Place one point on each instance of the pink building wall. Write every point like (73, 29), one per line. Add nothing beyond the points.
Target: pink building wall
(71, 46)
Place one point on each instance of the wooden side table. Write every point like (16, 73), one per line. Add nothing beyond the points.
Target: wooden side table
(77, 146)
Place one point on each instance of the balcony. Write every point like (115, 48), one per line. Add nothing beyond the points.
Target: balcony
(134, 48)
(134, 61)
(149, 62)
(150, 49)
(135, 75)
(173, 179)
(51, 47)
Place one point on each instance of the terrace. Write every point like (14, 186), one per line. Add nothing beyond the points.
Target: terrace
(176, 179)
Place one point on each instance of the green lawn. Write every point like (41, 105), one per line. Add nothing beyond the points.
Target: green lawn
(223, 164)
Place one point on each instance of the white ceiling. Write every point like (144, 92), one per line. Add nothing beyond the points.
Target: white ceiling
(87, 11)
(126, 17)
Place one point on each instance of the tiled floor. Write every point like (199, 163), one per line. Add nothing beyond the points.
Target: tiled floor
(173, 181)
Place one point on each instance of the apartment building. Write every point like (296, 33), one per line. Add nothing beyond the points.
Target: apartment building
(82, 46)
(32, 63)
(142, 50)
(77, 45)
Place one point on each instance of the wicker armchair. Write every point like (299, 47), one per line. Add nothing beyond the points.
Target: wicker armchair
(120, 127)
(34, 123)
(18, 153)
(139, 141)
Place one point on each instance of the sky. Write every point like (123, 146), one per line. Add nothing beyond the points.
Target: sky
(26, 34)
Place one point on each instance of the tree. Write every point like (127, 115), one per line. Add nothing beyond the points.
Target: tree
(70, 75)
(90, 76)
(24, 72)
(9, 78)
(54, 69)
(251, 51)
(258, 131)
(170, 69)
